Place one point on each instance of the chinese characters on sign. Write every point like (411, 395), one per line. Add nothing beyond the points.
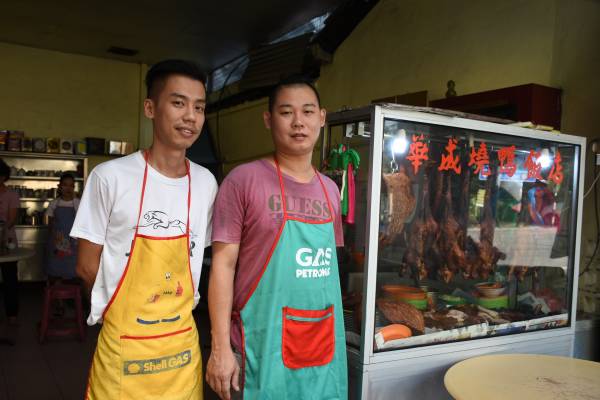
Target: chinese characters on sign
(418, 152)
(556, 174)
(448, 160)
(506, 155)
(534, 168)
(479, 160)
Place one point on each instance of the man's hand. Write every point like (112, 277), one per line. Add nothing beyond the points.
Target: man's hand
(223, 372)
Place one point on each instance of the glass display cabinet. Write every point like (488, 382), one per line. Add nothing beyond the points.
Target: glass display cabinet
(461, 238)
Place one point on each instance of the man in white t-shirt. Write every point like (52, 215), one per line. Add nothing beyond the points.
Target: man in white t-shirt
(142, 224)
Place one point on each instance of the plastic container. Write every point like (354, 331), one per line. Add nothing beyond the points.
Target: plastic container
(406, 294)
(491, 290)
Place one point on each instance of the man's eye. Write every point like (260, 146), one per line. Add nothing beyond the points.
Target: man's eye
(309, 112)
(199, 109)
(178, 103)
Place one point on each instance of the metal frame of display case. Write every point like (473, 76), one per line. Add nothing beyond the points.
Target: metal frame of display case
(375, 116)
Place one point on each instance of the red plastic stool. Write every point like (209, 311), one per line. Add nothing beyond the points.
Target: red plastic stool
(62, 326)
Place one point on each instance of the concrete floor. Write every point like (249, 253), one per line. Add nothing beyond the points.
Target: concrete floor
(57, 369)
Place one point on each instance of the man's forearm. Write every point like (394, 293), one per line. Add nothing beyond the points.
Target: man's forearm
(88, 262)
(220, 293)
(220, 301)
(88, 276)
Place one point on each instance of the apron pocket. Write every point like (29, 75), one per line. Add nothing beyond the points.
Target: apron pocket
(159, 367)
(308, 338)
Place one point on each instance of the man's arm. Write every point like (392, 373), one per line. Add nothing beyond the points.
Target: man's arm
(88, 262)
(222, 371)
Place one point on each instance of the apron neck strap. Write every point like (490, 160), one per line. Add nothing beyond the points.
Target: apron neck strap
(282, 188)
(189, 196)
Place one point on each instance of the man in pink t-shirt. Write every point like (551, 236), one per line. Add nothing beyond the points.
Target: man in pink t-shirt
(248, 217)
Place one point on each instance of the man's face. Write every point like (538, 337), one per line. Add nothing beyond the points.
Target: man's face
(295, 120)
(67, 187)
(177, 112)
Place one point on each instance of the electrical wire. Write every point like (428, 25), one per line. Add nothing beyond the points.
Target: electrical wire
(591, 186)
(594, 186)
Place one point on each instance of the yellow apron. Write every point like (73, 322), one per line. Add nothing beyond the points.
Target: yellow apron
(148, 346)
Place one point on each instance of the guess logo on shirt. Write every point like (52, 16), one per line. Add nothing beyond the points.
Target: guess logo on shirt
(303, 207)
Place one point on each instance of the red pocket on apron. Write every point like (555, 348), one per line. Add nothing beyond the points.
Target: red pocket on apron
(308, 337)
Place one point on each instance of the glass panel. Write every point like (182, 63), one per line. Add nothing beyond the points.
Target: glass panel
(344, 140)
(475, 236)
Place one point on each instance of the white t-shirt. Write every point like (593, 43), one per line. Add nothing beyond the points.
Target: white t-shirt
(61, 203)
(108, 213)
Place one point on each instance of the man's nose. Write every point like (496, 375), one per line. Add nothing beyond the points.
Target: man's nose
(297, 121)
(190, 113)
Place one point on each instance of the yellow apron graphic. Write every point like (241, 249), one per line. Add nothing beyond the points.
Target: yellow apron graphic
(148, 346)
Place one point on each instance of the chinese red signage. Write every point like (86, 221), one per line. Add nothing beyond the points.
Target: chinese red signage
(556, 174)
(449, 162)
(418, 152)
(479, 160)
(506, 156)
(534, 168)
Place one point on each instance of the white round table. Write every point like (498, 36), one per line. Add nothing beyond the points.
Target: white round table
(524, 376)
(20, 253)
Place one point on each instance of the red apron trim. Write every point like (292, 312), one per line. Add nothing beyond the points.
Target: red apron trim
(280, 177)
(161, 237)
(157, 336)
(187, 225)
(311, 221)
(243, 366)
(331, 213)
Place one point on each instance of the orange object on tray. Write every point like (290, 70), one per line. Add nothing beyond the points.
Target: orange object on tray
(395, 331)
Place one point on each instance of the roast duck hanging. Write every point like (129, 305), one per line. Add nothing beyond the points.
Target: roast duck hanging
(401, 204)
(441, 245)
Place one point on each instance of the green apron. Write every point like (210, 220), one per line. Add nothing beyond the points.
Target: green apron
(292, 321)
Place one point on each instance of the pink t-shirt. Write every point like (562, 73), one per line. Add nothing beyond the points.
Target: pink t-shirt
(248, 211)
(8, 200)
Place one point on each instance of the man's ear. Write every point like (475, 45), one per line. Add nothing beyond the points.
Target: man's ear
(267, 119)
(149, 108)
(323, 117)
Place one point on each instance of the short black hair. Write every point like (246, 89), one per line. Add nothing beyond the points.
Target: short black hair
(158, 74)
(65, 176)
(4, 170)
(292, 80)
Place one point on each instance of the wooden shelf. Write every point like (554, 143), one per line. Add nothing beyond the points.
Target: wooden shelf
(34, 199)
(40, 178)
(28, 154)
